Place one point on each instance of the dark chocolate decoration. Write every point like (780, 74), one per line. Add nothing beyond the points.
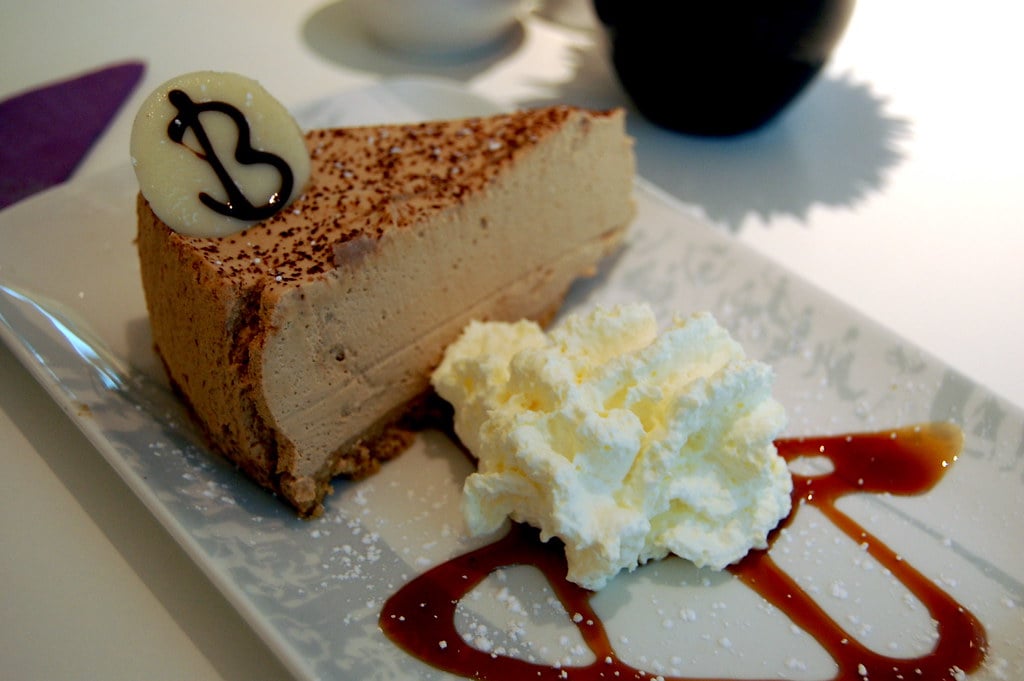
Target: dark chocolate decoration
(238, 205)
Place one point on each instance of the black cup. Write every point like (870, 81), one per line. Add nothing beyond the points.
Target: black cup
(719, 67)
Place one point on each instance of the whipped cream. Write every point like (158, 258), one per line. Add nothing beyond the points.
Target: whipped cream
(625, 444)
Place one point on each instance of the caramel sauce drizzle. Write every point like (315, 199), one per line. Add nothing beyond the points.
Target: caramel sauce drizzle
(905, 461)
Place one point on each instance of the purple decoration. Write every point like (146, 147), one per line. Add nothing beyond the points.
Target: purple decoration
(46, 132)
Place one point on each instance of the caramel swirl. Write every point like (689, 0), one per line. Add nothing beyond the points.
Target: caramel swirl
(906, 461)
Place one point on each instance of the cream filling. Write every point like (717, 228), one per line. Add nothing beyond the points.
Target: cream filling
(334, 413)
(349, 348)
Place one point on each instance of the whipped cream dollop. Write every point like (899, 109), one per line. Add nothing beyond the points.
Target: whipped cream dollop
(624, 443)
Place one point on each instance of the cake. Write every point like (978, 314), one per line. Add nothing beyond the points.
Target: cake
(302, 341)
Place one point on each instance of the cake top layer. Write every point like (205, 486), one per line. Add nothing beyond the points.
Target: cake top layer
(366, 181)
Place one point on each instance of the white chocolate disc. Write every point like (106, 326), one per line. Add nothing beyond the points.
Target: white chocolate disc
(209, 112)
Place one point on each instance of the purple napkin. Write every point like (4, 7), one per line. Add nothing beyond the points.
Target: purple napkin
(44, 133)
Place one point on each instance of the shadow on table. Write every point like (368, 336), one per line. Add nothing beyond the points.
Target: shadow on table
(333, 32)
(833, 147)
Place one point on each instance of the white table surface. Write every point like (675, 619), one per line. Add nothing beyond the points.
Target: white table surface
(895, 183)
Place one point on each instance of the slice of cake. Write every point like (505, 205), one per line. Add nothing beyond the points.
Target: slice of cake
(300, 342)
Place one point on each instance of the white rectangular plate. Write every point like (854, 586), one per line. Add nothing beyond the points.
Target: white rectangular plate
(71, 308)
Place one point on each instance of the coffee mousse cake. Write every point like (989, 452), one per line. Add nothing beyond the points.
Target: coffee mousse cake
(301, 341)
